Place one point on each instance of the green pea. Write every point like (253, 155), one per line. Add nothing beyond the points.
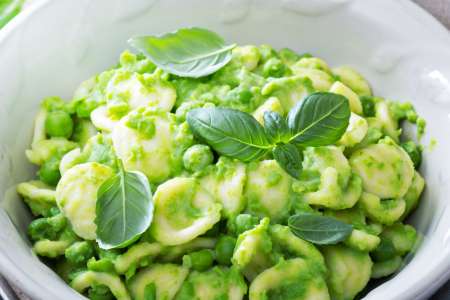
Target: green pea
(197, 157)
(224, 249)
(59, 124)
(199, 260)
(49, 171)
(41, 229)
(46, 228)
(79, 252)
(243, 95)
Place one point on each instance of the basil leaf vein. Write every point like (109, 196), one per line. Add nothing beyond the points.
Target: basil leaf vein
(319, 120)
(289, 158)
(318, 229)
(230, 132)
(124, 209)
(189, 52)
(276, 127)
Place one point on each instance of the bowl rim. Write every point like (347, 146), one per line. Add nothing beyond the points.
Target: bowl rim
(9, 268)
(31, 286)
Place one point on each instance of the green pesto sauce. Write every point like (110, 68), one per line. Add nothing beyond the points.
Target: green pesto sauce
(136, 63)
(225, 167)
(197, 157)
(401, 111)
(181, 209)
(273, 178)
(118, 107)
(291, 289)
(254, 75)
(137, 152)
(143, 122)
(406, 111)
(433, 144)
(288, 291)
(99, 149)
(421, 125)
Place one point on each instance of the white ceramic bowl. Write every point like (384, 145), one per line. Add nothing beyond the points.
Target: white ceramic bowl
(402, 51)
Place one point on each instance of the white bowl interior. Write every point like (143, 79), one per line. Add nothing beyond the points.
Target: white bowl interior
(401, 50)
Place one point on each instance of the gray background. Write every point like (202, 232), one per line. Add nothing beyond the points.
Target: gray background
(441, 10)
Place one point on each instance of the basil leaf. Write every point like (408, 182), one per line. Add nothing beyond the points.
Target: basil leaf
(319, 229)
(189, 52)
(124, 209)
(289, 158)
(320, 119)
(8, 10)
(230, 132)
(276, 127)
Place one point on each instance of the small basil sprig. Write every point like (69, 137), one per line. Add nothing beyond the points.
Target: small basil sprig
(320, 119)
(230, 132)
(317, 229)
(276, 127)
(124, 209)
(188, 52)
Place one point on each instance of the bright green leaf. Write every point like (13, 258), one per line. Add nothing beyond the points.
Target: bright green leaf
(318, 229)
(230, 132)
(124, 209)
(319, 120)
(276, 127)
(188, 52)
(289, 158)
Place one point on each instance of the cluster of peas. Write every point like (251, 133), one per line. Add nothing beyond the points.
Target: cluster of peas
(58, 124)
(61, 122)
(82, 255)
